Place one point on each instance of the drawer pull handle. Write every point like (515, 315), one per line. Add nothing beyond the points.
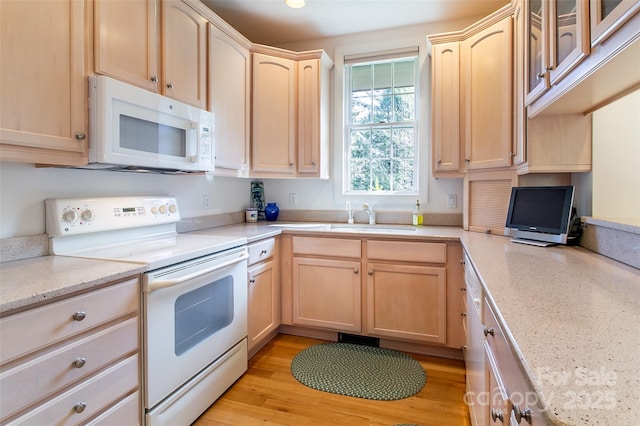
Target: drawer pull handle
(80, 362)
(263, 252)
(462, 261)
(356, 270)
(79, 316)
(79, 407)
(522, 414)
(489, 331)
(463, 315)
(252, 280)
(497, 415)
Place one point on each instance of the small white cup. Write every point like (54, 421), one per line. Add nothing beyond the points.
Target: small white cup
(251, 215)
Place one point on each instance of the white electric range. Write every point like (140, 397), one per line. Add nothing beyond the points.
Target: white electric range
(194, 318)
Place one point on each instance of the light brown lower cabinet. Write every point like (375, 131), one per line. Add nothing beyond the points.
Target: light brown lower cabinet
(263, 293)
(405, 294)
(75, 361)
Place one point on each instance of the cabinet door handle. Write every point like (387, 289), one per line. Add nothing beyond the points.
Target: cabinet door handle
(154, 78)
(462, 262)
(80, 136)
(252, 280)
(79, 407)
(439, 161)
(80, 362)
(467, 160)
(370, 272)
(522, 414)
(170, 86)
(79, 316)
(356, 270)
(489, 331)
(497, 415)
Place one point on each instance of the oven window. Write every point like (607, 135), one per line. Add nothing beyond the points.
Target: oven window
(202, 312)
(143, 135)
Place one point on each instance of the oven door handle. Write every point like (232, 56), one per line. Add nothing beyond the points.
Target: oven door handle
(156, 285)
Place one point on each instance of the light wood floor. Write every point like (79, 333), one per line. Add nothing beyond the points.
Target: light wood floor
(269, 395)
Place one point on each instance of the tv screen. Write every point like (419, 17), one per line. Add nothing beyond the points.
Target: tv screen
(540, 213)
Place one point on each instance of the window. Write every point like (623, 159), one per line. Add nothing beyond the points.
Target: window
(381, 127)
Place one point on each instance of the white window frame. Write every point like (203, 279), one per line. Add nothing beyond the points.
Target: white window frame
(340, 150)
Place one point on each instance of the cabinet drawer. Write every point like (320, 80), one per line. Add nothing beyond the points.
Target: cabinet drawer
(125, 412)
(94, 395)
(34, 380)
(334, 247)
(404, 251)
(496, 340)
(262, 250)
(36, 328)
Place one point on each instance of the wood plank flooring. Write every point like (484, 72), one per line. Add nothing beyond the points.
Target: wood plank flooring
(269, 395)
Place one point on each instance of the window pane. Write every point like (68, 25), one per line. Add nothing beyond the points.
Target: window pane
(359, 174)
(382, 107)
(381, 143)
(404, 108)
(362, 77)
(403, 143)
(403, 175)
(404, 74)
(360, 144)
(382, 76)
(381, 175)
(361, 110)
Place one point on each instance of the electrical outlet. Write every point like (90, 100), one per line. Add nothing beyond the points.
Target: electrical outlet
(293, 199)
(452, 201)
(206, 202)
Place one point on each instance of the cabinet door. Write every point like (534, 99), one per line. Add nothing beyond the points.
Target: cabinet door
(445, 89)
(229, 89)
(407, 302)
(499, 405)
(326, 293)
(608, 15)
(184, 42)
(43, 107)
(309, 116)
(488, 110)
(569, 36)
(535, 49)
(264, 302)
(273, 115)
(127, 42)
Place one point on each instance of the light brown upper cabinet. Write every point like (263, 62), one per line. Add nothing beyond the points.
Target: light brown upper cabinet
(158, 45)
(558, 39)
(445, 112)
(43, 107)
(488, 107)
(274, 113)
(608, 15)
(290, 114)
(229, 97)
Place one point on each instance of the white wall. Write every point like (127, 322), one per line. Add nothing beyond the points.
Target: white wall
(616, 159)
(23, 189)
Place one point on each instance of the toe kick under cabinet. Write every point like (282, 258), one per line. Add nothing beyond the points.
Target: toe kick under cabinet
(388, 288)
(74, 361)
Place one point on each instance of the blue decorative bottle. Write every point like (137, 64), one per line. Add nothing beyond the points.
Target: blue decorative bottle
(271, 211)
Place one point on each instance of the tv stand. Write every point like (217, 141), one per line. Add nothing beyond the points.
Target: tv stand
(532, 242)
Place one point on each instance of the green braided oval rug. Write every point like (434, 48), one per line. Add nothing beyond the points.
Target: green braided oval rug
(357, 370)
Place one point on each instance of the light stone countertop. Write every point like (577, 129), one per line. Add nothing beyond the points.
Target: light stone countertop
(563, 308)
(573, 320)
(30, 282)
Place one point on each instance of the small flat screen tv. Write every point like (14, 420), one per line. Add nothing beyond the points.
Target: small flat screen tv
(539, 215)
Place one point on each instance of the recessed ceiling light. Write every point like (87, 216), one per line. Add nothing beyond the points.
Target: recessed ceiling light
(295, 4)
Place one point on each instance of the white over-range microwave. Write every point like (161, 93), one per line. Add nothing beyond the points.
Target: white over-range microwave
(131, 128)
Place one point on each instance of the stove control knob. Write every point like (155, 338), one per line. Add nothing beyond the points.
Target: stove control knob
(163, 209)
(69, 216)
(87, 215)
(173, 208)
(154, 210)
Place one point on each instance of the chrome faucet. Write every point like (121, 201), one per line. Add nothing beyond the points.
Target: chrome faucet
(372, 215)
(350, 212)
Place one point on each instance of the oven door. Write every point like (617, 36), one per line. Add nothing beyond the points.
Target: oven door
(194, 313)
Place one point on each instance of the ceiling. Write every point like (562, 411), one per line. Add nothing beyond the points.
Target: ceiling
(272, 22)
